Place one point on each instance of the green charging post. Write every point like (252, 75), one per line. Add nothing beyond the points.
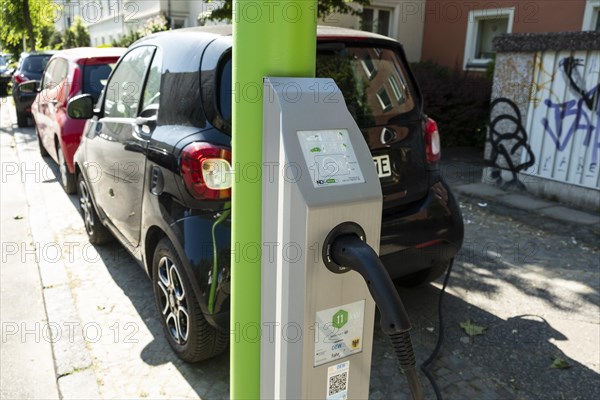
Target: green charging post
(270, 38)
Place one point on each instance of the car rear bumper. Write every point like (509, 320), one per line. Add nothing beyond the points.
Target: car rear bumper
(429, 233)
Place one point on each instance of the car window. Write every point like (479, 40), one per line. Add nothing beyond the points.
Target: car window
(152, 89)
(47, 78)
(224, 100)
(59, 72)
(124, 89)
(372, 80)
(95, 78)
(35, 64)
(2, 61)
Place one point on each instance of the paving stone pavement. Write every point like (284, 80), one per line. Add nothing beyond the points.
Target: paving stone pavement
(534, 290)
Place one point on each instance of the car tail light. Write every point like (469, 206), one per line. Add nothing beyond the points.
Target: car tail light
(20, 78)
(206, 171)
(433, 147)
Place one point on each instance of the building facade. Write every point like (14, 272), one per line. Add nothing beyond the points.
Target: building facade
(109, 20)
(460, 33)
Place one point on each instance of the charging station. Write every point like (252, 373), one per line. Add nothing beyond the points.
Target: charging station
(322, 207)
(321, 177)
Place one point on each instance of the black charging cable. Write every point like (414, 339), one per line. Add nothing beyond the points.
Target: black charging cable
(350, 251)
(440, 338)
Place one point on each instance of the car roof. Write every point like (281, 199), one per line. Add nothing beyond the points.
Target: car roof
(322, 32)
(38, 53)
(80, 53)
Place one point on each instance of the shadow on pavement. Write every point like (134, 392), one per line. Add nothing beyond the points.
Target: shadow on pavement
(511, 359)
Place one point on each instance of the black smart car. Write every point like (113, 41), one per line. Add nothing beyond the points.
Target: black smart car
(166, 110)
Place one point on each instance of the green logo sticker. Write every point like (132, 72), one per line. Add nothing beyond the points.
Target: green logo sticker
(331, 180)
(339, 319)
(315, 150)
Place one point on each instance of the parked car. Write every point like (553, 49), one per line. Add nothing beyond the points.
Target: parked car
(30, 68)
(68, 74)
(5, 73)
(142, 168)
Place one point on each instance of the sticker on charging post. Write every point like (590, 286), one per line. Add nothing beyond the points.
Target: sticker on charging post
(337, 381)
(330, 157)
(339, 332)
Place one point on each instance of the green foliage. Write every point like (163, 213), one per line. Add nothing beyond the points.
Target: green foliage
(559, 363)
(77, 35)
(152, 25)
(29, 19)
(341, 70)
(472, 329)
(458, 101)
(490, 67)
(56, 41)
(324, 8)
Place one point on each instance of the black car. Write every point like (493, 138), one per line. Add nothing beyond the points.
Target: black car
(30, 68)
(5, 73)
(167, 109)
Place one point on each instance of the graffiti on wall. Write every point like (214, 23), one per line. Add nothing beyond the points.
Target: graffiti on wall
(575, 116)
(508, 137)
(564, 127)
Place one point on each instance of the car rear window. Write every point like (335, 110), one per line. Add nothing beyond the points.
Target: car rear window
(35, 64)
(95, 77)
(372, 81)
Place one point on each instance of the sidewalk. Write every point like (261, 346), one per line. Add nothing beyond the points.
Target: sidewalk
(462, 168)
(26, 354)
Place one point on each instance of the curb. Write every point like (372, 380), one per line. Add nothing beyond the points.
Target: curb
(72, 360)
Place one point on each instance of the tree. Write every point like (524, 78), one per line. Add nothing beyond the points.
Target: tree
(324, 8)
(29, 19)
(78, 35)
(56, 41)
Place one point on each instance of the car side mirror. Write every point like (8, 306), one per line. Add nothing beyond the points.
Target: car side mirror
(29, 87)
(81, 107)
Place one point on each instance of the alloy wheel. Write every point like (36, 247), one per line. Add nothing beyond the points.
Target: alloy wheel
(85, 204)
(173, 301)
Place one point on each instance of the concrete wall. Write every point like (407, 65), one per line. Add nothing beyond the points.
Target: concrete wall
(445, 23)
(544, 127)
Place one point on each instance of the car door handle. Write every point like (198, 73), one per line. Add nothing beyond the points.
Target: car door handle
(145, 125)
(150, 121)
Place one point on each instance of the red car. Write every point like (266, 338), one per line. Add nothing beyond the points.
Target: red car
(69, 73)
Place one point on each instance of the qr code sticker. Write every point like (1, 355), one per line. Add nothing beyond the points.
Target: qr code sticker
(338, 383)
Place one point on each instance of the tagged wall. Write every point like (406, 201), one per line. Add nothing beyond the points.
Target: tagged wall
(544, 126)
(563, 117)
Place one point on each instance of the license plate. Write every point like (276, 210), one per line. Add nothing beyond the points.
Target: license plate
(383, 166)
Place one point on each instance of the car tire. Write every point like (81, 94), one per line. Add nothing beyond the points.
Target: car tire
(96, 231)
(67, 179)
(190, 336)
(43, 151)
(424, 276)
(22, 120)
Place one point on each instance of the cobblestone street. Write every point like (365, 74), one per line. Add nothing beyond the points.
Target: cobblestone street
(530, 283)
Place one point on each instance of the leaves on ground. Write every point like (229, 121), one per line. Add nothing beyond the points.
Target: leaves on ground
(472, 329)
(18, 217)
(559, 363)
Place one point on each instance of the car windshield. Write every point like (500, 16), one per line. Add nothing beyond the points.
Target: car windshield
(35, 64)
(372, 81)
(95, 77)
